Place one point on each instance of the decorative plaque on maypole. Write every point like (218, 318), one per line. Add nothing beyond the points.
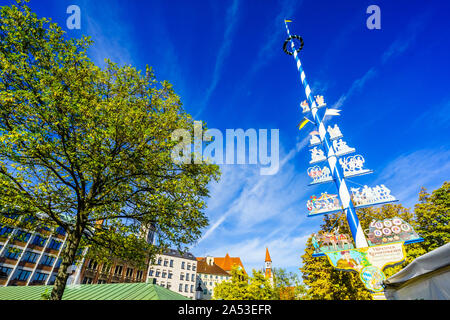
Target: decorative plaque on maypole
(333, 160)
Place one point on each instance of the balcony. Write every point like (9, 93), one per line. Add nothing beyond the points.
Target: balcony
(90, 273)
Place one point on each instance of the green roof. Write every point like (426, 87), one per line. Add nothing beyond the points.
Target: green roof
(109, 291)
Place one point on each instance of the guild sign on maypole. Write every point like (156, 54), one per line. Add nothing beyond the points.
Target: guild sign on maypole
(333, 160)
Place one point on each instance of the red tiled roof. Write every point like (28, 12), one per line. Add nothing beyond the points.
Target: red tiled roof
(203, 267)
(268, 255)
(228, 262)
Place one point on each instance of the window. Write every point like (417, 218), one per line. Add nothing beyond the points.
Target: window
(30, 256)
(101, 281)
(129, 272)
(5, 231)
(47, 260)
(164, 273)
(166, 262)
(188, 266)
(169, 276)
(171, 263)
(22, 275)
(159, 261)
(139, 275)
(22, 236)
(157, 273)
(87, 280)
(61, 231)
(39, 241)
(162, 284)
(193, 267)
(150, 273)
(217, 277)
(55, 245)
(186, 287)
(169, 285)
(40, 277)
(92, 264)
(106, 268)
(192, 288)
(4, 272)
(187, 276)
(182, 265)
(180, 288)
(193, 277)
(118, 270)
(181, 276)
(13, 253)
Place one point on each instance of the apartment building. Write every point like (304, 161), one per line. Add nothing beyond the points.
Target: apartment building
(175, 271)
(29, 257)
(212, 271)
(116, 271)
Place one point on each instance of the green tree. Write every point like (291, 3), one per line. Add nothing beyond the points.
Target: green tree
(323, 280)
(243, 287)
(233, 289)
(432, 217)
(89, 149)
(287, 285)
(430, 220)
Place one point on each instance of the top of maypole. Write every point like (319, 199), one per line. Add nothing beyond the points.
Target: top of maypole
(290, 39)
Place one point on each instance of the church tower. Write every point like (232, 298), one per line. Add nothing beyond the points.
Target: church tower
(268, 266)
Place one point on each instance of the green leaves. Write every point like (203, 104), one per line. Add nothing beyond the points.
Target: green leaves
(430, 220)
(93, 144)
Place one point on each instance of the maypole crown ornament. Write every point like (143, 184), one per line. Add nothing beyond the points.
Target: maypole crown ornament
(290, 38)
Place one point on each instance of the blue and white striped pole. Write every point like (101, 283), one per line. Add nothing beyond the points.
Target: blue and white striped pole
(336, 170)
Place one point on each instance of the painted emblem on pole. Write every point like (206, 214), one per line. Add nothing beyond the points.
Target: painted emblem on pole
(369, 262)
(390, 230)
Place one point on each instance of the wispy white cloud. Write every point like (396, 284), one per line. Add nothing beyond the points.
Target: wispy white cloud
(406, 174)
(275, 32)
(356, 86)
(231, 21)
(395, 49)
(112, 39)
(250, 212)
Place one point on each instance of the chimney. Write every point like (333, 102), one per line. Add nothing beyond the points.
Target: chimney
(209, 260)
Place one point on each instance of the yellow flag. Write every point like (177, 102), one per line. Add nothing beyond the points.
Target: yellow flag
(286, 20)
(303, 123)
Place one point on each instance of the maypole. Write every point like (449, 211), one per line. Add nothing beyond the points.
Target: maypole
(384, 246)
(336, 171)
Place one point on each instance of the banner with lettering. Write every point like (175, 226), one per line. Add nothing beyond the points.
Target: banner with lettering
(369, 262)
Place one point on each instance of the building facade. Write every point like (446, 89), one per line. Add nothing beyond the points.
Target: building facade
(268, 267)
(214, 270)
(175, 271)
(117, 271)
(29, 256)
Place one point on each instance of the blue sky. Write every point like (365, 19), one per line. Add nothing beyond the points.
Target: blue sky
(225, 60)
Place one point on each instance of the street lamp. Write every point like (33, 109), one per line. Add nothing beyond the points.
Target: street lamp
(198, 292)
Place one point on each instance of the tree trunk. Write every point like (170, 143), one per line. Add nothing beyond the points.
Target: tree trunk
(68, 255)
